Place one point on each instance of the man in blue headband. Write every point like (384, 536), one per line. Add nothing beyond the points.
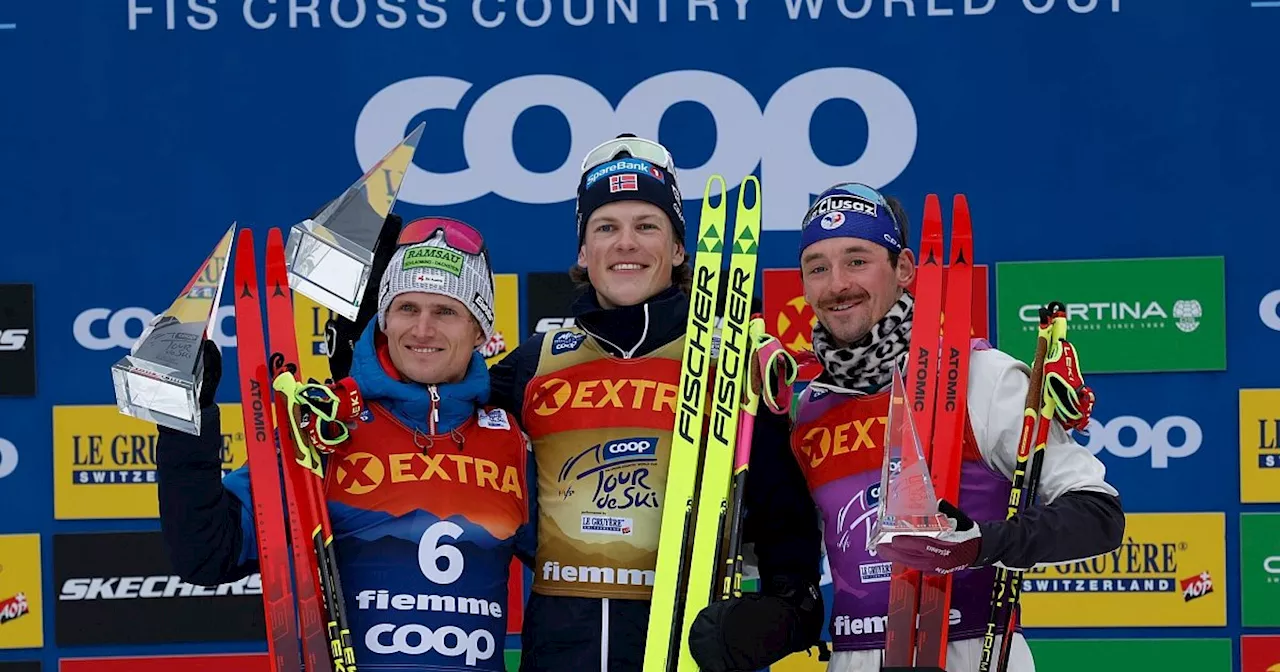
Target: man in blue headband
(856, 269)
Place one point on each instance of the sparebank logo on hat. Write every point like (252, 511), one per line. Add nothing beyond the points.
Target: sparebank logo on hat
(638, 166)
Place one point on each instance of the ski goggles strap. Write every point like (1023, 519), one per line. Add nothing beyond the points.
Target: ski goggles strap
(638, 148)
(306, 455)
(778, 369)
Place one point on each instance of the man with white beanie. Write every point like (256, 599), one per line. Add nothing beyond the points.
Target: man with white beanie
(427, 465)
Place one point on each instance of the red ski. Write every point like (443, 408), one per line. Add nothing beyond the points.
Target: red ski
(305, 479)
(921, 382)
(938, 371)
(264, 467)
(949, 421)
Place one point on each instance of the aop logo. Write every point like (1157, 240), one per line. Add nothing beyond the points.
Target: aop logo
(775, 138)
(1143, 438)
(124, 326)
(360, 473)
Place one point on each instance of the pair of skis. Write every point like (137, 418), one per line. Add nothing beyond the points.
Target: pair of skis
(305, 616)
(703, 484)
(936, 381)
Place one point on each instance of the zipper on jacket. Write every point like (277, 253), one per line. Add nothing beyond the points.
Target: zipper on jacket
(433, 418)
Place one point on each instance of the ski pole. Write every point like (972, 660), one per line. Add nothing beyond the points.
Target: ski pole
(1002, 588)
(769, 363)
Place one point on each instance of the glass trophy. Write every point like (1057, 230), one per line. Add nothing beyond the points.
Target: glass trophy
(908, 500)
(159, 380)
(330, 257)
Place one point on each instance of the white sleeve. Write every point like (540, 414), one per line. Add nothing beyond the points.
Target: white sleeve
(997, 397)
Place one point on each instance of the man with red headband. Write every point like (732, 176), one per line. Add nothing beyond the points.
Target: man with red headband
(431, 468)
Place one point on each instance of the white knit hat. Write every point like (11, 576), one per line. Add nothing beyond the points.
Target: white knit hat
(434, 267)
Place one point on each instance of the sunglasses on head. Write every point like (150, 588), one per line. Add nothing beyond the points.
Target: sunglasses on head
(458, 235)
(638, 148)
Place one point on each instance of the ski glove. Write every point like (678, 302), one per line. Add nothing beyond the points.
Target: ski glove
(946, 553)
(212, 373)
(756, 630)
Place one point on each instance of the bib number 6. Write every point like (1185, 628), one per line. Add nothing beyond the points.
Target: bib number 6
(431, 553)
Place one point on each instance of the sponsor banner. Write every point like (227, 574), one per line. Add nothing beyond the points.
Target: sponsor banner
(1260, 653)
(1128, 655)
(1170, 570)
(104, 462)
(120, 588)
(213, 662)
(100, 329)
(21, 666)
(1124, 315)
(788, 316)
(17, 340)
(21, 596)
(1260, 570)
(1260, 446)
(551, 297)
(8, 457)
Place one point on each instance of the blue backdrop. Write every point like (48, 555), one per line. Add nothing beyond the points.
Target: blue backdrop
(133, 132)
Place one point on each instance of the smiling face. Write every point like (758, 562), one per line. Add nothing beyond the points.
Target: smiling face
(851, 284)
(629, 251)
(431, 337)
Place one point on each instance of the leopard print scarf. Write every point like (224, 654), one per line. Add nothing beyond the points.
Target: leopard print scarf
(867, 365)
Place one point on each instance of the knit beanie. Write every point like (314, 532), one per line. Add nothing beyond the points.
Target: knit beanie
(625, 178)
(434, 267)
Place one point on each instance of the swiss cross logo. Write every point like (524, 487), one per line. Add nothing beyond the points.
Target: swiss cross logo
(622, 183)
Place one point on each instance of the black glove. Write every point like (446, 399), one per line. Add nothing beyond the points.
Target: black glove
(212, 373)
(758, 629)
(340, 333)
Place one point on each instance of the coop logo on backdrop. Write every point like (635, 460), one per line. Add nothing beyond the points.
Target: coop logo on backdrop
(104, 329)
(1269, 310)
(120, 588)
(8, 457)
(776, 138)
(1128, 436)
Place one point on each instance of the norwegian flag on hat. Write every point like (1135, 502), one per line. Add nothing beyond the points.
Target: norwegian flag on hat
(625, 182)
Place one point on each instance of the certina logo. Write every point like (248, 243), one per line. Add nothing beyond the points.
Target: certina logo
(362, 473)
(848, 625)
(553, 571)
(1129, 436)
(775, 138)
(633, 393)
(102, 329)
(151, 587)
(1184, 314)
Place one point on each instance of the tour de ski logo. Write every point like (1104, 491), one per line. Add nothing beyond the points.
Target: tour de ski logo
(617, 474)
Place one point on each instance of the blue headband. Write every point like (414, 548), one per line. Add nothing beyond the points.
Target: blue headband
(851, 210)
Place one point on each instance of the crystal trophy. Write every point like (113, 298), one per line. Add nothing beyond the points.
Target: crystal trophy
(330, 257)
(908, 500)
(159, 380)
